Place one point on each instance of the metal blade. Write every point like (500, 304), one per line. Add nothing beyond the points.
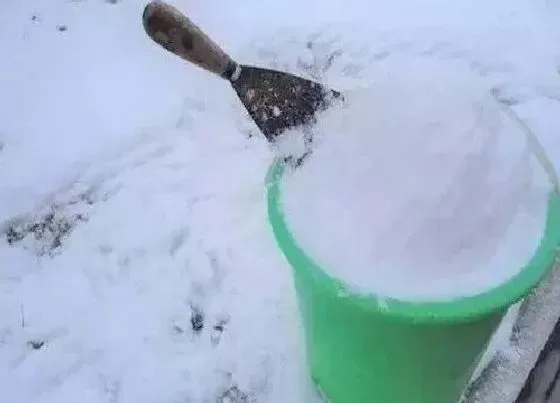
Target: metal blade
(278, 101)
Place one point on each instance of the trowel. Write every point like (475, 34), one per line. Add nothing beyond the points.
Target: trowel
(275, 100)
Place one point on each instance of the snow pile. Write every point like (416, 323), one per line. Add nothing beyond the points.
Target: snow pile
(184, 303)
(136, 264)
(421, 187)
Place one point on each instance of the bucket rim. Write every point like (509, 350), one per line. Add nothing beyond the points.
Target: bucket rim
(462, 309)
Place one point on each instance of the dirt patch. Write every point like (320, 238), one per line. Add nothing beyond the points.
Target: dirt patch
(43, 233)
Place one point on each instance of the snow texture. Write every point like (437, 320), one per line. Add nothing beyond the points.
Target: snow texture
(420, 187)
(136, 264)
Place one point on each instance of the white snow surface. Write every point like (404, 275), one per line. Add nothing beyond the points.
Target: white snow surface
(132, 196)
(420, 186)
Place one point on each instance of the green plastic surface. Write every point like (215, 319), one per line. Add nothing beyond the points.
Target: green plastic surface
(361, 349)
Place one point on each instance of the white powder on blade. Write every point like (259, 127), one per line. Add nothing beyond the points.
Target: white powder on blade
(420, 187)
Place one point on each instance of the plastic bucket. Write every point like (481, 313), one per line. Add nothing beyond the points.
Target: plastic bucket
(361, 349)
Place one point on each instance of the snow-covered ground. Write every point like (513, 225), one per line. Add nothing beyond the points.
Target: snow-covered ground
(136, 264)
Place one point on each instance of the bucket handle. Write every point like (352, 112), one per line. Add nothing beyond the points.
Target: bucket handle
(537, 149)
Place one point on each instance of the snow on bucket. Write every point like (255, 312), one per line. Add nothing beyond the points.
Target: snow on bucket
(402, 284)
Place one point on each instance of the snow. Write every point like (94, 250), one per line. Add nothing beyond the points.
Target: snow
(420, 187)
(500, 342)
(504, 377)
(131, 189)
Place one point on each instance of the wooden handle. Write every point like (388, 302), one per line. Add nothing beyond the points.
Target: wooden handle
(168, 27)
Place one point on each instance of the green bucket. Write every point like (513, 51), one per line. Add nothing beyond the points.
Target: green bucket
(361, 349)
